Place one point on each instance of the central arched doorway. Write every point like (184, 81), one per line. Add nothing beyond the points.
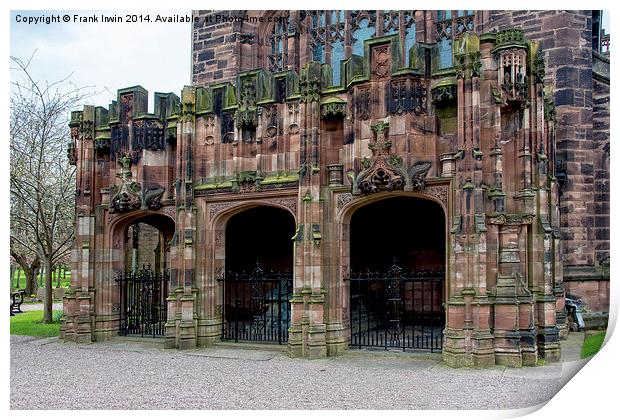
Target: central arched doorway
(258, 280)
(144, 282)
(397, 260)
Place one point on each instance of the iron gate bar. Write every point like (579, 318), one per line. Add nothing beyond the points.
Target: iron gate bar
(253, 305)
(143, 309)
(397, 309)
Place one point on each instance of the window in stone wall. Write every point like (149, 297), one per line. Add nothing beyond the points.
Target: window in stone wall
(409, 35)
(449, 26)
(337, 56)
(328, 41)
(362, 28)
(327, 38)
(600, 31)
(279, 46)
(403, 23)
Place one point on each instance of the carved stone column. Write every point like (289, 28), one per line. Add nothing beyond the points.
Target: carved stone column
(182, 301)
(308, 330)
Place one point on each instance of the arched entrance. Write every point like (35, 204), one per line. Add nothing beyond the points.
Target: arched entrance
(143, 285)
(396, 281)
(258, 279)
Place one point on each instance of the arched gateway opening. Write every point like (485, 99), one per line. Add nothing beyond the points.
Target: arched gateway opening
(143, 284)
(258, 280)
(397, 257)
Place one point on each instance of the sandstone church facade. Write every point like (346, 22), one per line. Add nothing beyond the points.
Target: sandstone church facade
(424, 180)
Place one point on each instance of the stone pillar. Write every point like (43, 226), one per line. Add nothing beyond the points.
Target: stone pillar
(468, 335)
(182, 301)
(514, 332)
(308, 330)
(78, 314)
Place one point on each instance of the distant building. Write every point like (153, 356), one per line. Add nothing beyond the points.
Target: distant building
(392, 179)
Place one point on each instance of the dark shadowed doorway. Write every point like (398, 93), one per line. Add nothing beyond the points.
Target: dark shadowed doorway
(397, 274)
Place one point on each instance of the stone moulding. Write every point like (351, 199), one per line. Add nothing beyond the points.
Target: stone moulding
(216, 209)
(167, 209)
(435, 192)
(248, 181)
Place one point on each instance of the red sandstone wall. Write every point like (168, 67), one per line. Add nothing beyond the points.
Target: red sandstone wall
(215, 55)
(600, 230)
(582, 126)
(594, 293)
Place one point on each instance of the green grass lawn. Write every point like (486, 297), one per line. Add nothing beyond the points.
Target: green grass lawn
(29, 323)
(21, 282)
(592, 345)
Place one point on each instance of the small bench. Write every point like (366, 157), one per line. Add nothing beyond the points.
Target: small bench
(17, 298)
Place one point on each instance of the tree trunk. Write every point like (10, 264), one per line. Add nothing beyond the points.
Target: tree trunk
(32, 284)
(31, 272)
(47, 307)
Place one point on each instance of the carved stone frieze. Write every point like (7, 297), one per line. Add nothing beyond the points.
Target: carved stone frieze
(219, 238)
(169, 210)
(361, 102)
(407, 95)
(148, 135)
(335, 109)
(344, 199)
(440, 192)
(102, 145)
(444, 93)
(289, 203)
(216, 208)
(511, 219)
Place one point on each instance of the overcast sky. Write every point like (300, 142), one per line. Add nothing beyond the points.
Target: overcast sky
(108, 56)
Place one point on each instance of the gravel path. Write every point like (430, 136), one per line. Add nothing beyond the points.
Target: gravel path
(142, 375)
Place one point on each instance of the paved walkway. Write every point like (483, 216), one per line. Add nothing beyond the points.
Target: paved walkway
(121, 374)
(39, 306)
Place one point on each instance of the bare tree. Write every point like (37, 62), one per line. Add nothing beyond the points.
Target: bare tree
(42, 181)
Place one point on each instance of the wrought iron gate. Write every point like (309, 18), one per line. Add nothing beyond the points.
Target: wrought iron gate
(397, 309)
(257, 305)
(143, 302)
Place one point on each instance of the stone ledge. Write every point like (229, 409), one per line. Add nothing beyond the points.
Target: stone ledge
(584, 273)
